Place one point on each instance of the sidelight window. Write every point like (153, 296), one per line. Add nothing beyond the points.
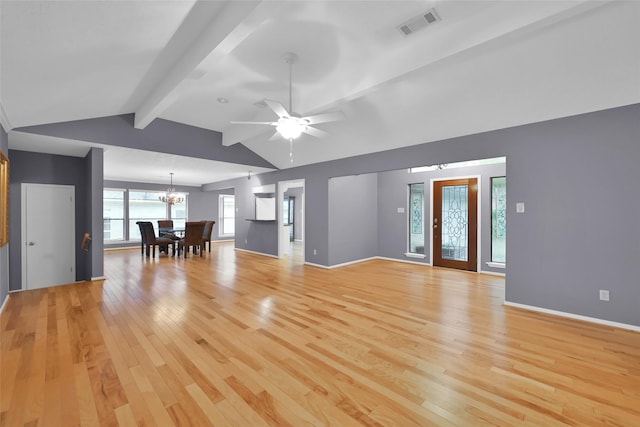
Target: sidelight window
(498, 219)
(416, 218)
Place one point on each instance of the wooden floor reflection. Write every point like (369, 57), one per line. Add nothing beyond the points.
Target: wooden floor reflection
(239, 339)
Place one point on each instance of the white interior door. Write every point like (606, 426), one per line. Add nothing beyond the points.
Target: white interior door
(48, 235)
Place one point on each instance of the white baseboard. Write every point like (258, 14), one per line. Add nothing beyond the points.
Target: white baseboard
(6, 298)
(98, 278)
(223, 241)
(406, 261)
(344, 264)
(115, 248)
(493, 273)
(497, 265)
(574, 316)
(329, 267)
(257, 253)
(317, 265)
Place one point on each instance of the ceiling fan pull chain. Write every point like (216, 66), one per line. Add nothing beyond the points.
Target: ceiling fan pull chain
(290, 85)
(291, 150)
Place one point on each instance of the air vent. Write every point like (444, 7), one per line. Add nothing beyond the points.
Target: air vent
(419, 22)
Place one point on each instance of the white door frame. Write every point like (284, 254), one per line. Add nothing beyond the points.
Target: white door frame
(478, 216)
(23, 236)
(283, 186)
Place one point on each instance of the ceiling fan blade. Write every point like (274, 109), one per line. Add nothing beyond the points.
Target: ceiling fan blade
(254, 123)
(277, 108)
(275, 137)
(325, 117)
(315, 132)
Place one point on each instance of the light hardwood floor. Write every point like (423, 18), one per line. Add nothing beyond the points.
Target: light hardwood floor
(238, 339)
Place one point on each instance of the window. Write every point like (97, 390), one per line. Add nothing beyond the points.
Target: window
(113, 214)
(123, 208)
(145, 206)
(416, 218)
(179, 214)
(498, 219)
(227, 213)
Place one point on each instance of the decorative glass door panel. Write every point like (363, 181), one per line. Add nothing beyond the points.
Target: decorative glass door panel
(455, 223)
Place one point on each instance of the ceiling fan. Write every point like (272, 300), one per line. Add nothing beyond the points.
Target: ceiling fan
(289, 124)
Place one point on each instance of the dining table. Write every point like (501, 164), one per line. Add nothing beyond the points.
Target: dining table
(168, 232)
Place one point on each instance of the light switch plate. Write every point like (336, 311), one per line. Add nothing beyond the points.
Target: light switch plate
(604, 295)
(400, 210)
(520, 207)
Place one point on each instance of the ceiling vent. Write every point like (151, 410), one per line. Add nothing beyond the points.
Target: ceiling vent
(419, 22)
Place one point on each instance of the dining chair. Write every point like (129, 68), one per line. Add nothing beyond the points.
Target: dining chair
(206, 235)
(150, 241)
(192, 237)
(143, 236)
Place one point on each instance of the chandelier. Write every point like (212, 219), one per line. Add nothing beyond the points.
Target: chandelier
(171, 197)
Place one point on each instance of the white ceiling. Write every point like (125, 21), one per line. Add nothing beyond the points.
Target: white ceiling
(485, 65)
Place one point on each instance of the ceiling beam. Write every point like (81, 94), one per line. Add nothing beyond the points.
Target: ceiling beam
(210, 28)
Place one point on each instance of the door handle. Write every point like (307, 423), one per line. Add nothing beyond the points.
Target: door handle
(31, 243)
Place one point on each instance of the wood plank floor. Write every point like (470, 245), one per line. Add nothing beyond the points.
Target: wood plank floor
(238, 339)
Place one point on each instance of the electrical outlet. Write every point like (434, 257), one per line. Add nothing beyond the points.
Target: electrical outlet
(520, 207)
(604, 295)
(245, 241)
(315, 252)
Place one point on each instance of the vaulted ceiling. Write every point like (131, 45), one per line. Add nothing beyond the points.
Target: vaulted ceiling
(485, 65)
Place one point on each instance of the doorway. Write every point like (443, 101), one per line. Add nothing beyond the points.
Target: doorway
(455, 223)
(48, 234)
(291, 221)
(289, 212)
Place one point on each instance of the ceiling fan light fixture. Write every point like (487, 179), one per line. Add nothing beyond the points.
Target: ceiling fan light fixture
(290, 127)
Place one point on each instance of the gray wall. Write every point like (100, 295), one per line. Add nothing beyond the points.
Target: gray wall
(393, 194)
(570, 172)
(204, 205)
(4, 251)
(573, 174)
(38, 168)
(353, 218)
(161, 135)
(95, 167)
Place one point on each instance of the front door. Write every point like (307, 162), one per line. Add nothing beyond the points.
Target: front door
(455, 209)
(48, 235)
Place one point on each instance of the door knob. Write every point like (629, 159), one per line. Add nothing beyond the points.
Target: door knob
(31, 243)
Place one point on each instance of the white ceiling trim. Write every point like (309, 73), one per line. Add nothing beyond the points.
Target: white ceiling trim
(4, 120)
